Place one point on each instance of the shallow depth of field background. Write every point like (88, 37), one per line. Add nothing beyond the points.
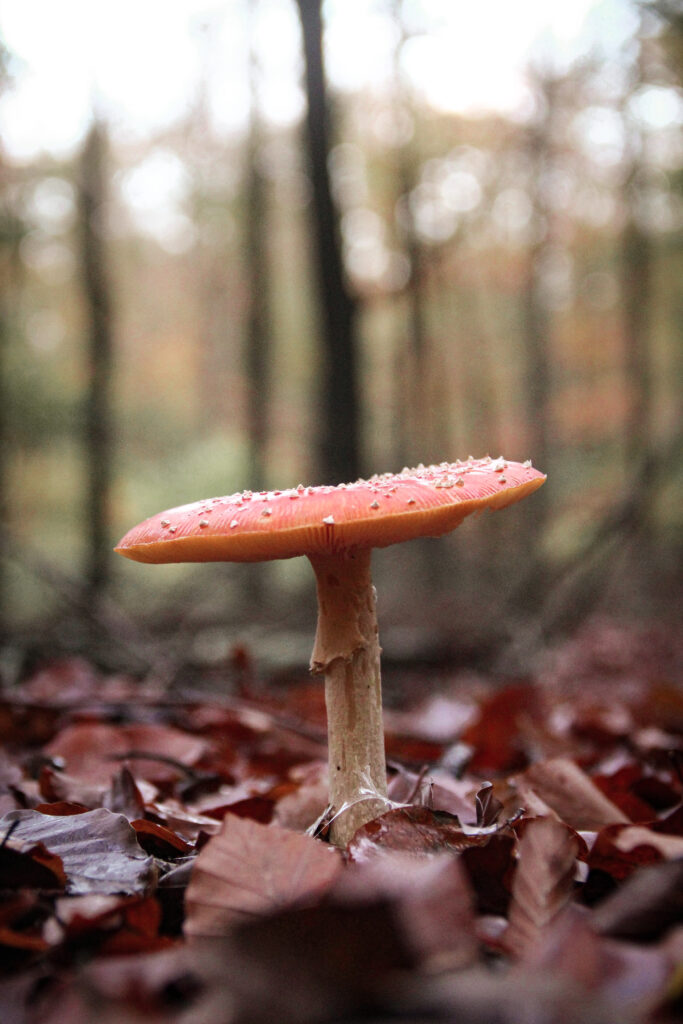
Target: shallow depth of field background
(507, 183)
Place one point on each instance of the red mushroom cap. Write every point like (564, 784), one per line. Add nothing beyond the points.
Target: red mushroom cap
(245, 527)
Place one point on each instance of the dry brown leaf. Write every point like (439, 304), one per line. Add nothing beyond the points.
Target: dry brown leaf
(250, 869)
(569, 793)
(94, 750)
(542, 885)
(98, 849)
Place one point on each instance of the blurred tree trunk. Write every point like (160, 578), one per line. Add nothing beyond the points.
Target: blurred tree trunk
(636, 274)
(414, 410)
(537, 324)
(4, 423)
(258, 322)
(9, 236)
(216, 328)
(636, 287)
(98, 308)
(339, 405)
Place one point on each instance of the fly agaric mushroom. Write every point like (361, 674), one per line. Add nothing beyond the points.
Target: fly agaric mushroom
(336, 528)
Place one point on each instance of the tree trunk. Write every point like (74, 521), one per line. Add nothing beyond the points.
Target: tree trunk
(414, 408)
(98, 412)
(339, 444)
(537, 322)
(258, 326)
(636, 280)
(4, 425)
(636, 274)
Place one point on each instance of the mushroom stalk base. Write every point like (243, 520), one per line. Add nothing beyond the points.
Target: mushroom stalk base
(347, 652)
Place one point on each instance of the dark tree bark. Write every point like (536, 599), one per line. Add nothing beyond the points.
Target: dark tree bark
(98, 308)
(339, 412)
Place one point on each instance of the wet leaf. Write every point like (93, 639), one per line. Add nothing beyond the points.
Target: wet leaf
(98, 849)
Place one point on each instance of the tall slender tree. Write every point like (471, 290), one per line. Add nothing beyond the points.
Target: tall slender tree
(339, 401)
(95, 277)
(413, 357)
(537, 324)
(258, 320)
(8, 236)
(636, 277)
(5, 241)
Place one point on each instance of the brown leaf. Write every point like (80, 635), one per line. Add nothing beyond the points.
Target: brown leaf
(110, 925)
(25, 864)
(62, 808)
(437, 790)
(542, 885)
(160, 841)
(94, 750)
(98, 849)
(250, 869)
(417, 830)
(498, 734)
(570, 793)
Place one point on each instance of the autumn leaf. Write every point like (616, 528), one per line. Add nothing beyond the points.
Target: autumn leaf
(542, 886)
(250, 869)
(562, 787)
(98, 849)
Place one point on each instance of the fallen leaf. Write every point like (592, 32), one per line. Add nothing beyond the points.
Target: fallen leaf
(95, 750)
(25, 863)
(542, 884)
(160, 841)
(570, 793)
(498, 734)
(627, 839)
(417, 830)
(98, 849)
(250, 869)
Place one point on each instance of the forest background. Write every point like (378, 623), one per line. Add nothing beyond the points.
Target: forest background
(318, 241)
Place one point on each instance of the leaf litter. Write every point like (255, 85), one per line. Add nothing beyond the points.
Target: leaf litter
(156, 860)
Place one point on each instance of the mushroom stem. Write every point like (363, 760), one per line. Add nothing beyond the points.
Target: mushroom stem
(347, 652)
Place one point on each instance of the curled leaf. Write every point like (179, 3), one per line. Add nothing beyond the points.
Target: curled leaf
(98, 849)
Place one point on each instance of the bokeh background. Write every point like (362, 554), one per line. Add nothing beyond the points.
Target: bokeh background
(252, 243)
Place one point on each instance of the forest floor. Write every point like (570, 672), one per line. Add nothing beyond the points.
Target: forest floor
(158, 861)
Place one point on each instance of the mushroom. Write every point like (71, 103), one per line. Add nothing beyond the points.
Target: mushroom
(336, 528)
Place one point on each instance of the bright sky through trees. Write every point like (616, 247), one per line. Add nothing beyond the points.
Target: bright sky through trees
(141, 63)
